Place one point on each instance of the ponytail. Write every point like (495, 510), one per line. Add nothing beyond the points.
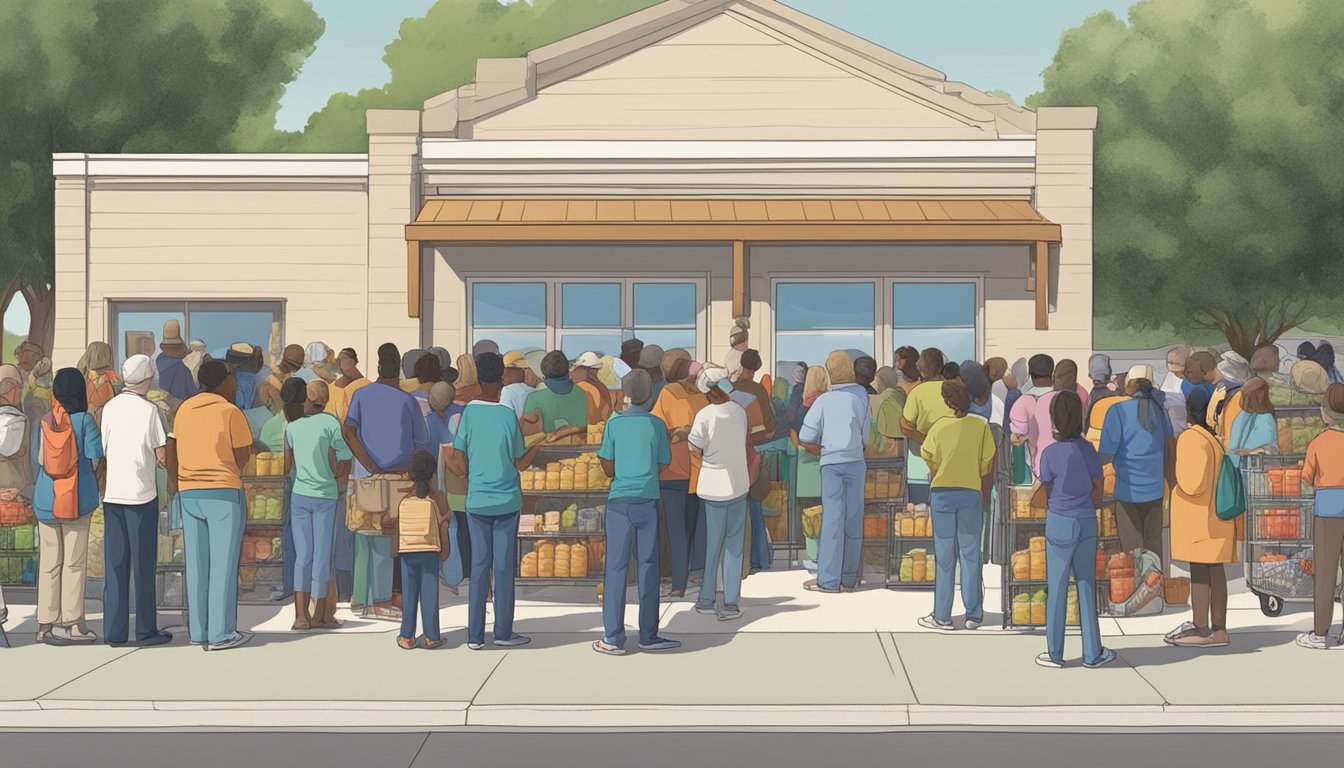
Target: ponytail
(1143, 393)
(421, 469)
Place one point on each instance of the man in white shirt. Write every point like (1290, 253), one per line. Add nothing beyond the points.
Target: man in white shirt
(718, 437)
(134, 440)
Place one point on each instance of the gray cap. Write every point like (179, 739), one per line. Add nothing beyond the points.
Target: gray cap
(976, 378)
(637, 386)
(1099, 367)
(651, 357)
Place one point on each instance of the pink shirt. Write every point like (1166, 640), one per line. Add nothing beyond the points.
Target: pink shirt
(1031, 417)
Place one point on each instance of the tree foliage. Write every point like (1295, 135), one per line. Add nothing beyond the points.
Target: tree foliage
(438, 53)
(1219, 176)
(129, 76)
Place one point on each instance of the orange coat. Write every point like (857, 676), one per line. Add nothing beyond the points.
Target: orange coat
(1197, 535)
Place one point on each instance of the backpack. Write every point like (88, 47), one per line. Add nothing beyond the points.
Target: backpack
(417, 525)
(60, 460)
(1231, 492)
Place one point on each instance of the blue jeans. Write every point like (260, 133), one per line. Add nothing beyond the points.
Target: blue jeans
(761, 556)
(725, 535)
(494, 551)
(372, 579)
(678, 511)
(420, 583)
(287, 540)
(130, 548)
(212, 533)
(630, 521)
(840, 547)
(314, 526)
(1071, 548)
(343, 548)
(698, 530)
(957, 520)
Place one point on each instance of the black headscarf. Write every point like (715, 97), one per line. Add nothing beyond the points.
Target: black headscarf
(70, 390)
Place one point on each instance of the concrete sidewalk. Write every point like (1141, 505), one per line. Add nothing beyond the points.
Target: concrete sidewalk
(796, 660)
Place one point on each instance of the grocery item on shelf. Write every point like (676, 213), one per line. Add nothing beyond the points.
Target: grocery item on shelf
(1071, 610)
(777, 498)
(595, 433)
(562, 560)
(578, 561)
(266, 464)
(1038, 603)
(581, 473)
(1286, 481)
(1106, 525)
(1280, 523)
(1036, 550)
(812, 522)
(1297, 432)
(883, 484)
(874, 526)
(267, 508)
(1023, 506)
(94, 563)
(917, 567)
(915, 522)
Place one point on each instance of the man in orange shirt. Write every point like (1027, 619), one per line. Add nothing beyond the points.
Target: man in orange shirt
(584, 375)
(1324, 469)
(679, 509)
(207, 450)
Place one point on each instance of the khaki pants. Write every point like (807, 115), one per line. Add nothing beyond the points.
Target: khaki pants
(63, 556)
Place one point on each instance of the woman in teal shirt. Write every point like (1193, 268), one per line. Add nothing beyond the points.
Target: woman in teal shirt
(60, 584)
(1254, 430)
(315, 455)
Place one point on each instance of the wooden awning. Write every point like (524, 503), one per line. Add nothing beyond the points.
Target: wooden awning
(757, 220)
(738, 221)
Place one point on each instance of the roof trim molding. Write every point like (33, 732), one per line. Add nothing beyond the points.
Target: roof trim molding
(505, 83)
(293, 166)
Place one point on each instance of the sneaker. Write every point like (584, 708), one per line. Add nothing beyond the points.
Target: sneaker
(239, 639)
(475, 646)
(974, 624)
(660, 644)
(514, 641)
(608, 649)
(1185, 630)
(928, 622)
(730, 612)
(1044, 660)
(1317, 643)
(1106, 657)
(812, 585)
(705, 610)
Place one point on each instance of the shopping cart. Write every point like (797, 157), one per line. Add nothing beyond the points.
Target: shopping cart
(1280, 562)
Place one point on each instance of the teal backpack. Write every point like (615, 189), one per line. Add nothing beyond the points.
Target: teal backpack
(1231, 494)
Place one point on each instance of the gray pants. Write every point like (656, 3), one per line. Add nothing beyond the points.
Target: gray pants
(1140, 525)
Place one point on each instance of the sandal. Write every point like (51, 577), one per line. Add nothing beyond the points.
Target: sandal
(433, 644)
(1185, 630)
(406, 643)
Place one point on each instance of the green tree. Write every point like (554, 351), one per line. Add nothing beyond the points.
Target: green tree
(127, 76)
(1219, 176)
(438, 53)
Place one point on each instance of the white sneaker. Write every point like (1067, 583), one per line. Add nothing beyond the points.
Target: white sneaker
(1044, 660)
(974, 624)
(1317, 643)
(928, 622)
(476, 646)
(238, 640)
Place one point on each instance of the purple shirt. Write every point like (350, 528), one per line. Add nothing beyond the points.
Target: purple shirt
(1068, 469)
(389, 425)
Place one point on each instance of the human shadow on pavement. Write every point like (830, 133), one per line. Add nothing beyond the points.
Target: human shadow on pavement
(1160, 654)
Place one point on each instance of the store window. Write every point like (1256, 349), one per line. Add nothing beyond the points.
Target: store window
(935, 314)
(581, 315)
(813, 319)
(511, 314)
(137, 327)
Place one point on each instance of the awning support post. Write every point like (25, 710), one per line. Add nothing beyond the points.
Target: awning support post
(413, 278)
(741, 281)
(1041, 257)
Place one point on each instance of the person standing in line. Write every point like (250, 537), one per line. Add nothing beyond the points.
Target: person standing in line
(15, 469)
(467, 388)
(412, 358)
(444, 416)
(383, 429)
(1172, 389)
(319, 362)
(760, 413)
(427, 373)
(515, 390)
(481, 347)
(65, 495)
(959, 450)
(239, 359)
(807, 477)
(174, 376)
(1099, 371)
(631, 349)
(422, 540)
(1324, 470)
(340, 393)
(1136, 438)
(600, 404)
(488, 451)
(679, 509)
(838, 423)
(560, 404)
(1198, 536)
(1200, 373)
(865, 372)
(1071, 474)
(103, 383)
(885, 409)
(315, 455)
(1325, 356)
(1254, 429)
(634, 451)
(651, 361)
(924, 406)
(136, 444)
(718, 438)
(1030, 419)
(207, 451)
(1228, 379)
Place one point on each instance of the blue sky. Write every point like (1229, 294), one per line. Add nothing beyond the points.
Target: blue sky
(990, 44)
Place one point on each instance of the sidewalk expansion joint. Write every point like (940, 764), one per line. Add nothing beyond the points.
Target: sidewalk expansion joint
(84, 674)
(472, 701)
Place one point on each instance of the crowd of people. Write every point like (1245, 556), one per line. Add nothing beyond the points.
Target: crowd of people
(682, 442)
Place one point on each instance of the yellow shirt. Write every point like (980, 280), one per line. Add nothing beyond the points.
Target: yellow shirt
(207, 429)
(924, 406)
(961, 450)
(338, 402)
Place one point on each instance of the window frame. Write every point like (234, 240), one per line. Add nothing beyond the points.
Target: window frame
(116, 307)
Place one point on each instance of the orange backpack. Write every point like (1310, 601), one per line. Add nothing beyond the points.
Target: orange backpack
(60, 460)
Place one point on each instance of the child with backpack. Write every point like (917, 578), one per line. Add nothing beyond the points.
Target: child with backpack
(423, 544)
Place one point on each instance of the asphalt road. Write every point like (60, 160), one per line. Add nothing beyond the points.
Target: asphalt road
(655, 750)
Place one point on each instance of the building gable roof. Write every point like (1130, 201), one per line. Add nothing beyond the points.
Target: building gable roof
(735, 40)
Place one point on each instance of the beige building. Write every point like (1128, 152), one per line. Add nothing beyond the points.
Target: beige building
(658, 176)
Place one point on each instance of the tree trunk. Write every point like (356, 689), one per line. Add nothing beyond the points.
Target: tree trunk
(1250, 328)
(10, 292)
(42, 309)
